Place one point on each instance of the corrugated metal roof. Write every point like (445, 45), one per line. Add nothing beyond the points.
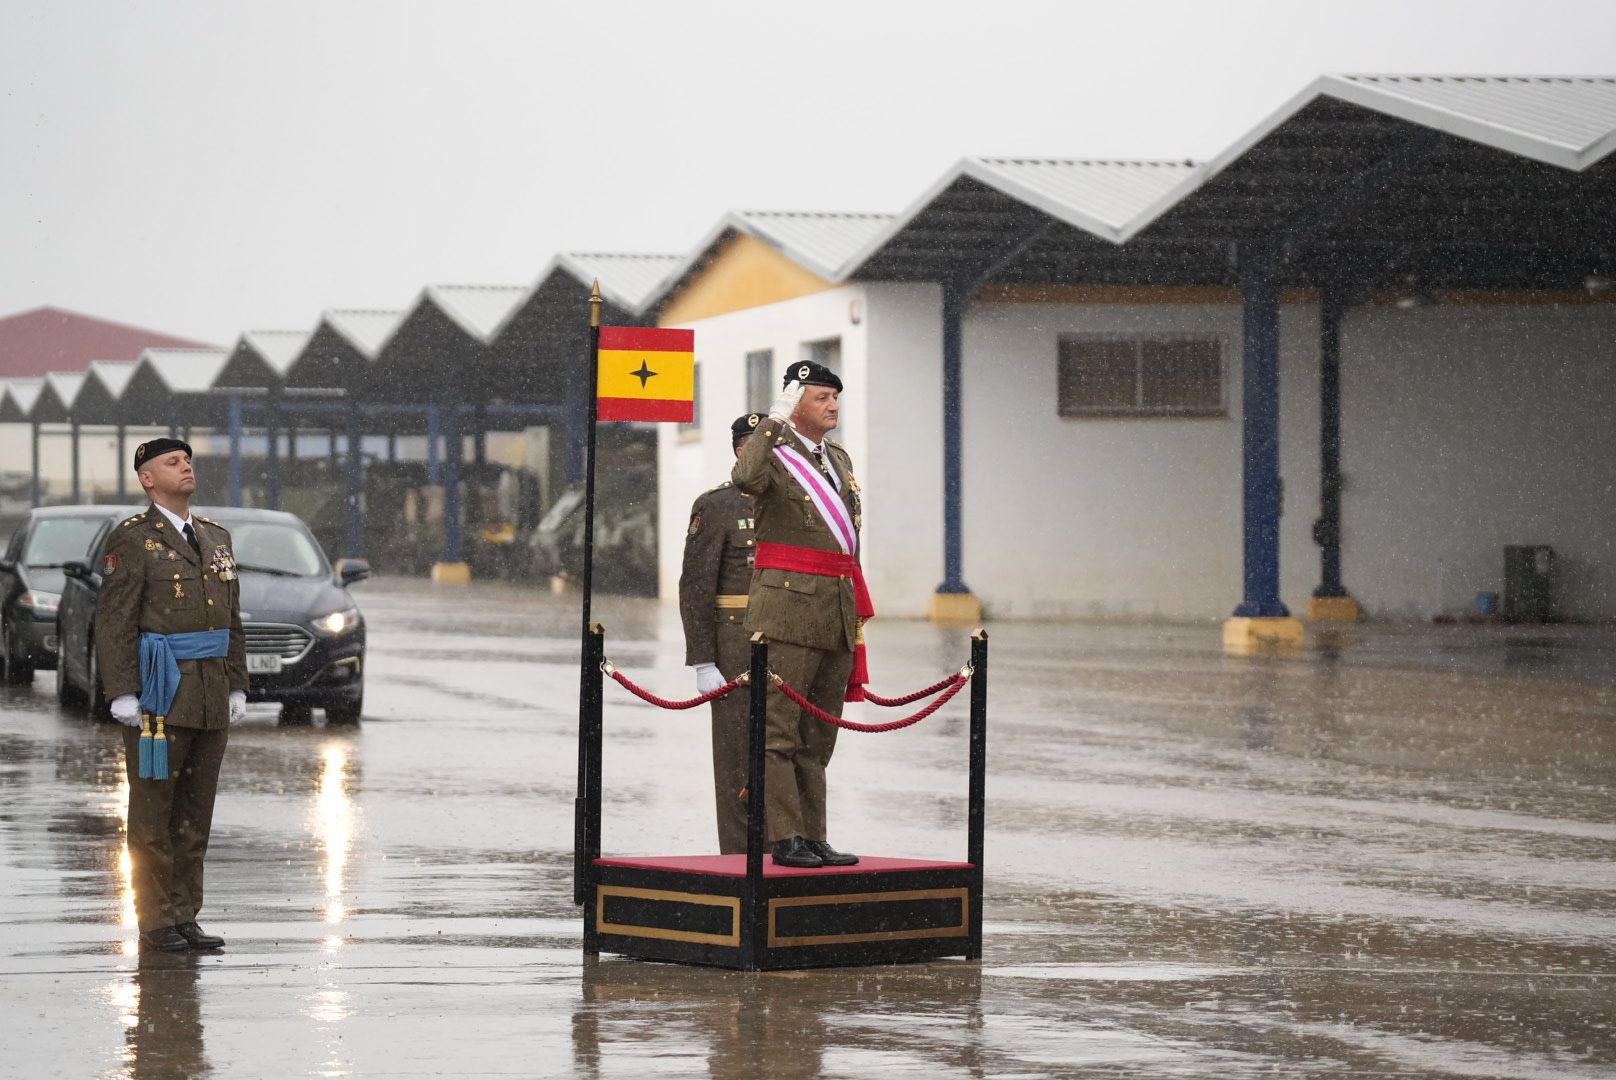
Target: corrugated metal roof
(186, 371)
(22, 393)
(821, 242)
(366, 330)
(479, 310)
(626, 280)
(277, 348)
(65, 385)
(1097, 196)
(113, 375)
(1563, 120)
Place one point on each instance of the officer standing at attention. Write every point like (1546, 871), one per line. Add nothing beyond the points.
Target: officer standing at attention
(173, 660)
(713, 584)
(808, 598)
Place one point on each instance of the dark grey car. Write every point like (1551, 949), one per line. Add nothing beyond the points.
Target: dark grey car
(305, 636)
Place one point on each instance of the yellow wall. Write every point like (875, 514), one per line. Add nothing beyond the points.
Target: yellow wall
(745, 273)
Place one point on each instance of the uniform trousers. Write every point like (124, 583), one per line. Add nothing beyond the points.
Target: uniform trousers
(169, 824)
(730, 724)
(799, 745)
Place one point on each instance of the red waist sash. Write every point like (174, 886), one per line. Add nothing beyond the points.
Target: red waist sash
(833, 564)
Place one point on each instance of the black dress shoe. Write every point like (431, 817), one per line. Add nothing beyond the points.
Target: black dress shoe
(197, 938)
(829, 855)
(166, 939)
(794, 851)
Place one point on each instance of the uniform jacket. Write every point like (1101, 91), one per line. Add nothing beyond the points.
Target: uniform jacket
(804, 609)
(719, 545)
(152, 580)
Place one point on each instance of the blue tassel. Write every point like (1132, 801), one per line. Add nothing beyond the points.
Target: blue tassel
(159, 756)
(146, 748)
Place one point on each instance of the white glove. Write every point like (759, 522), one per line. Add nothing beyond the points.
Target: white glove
(125, 709)
(786, 403)
(238, 705)
(708, 678)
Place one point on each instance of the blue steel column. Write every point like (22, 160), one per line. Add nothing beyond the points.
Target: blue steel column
(432, 444)
(1327, 530)
(235, 449)
(1260, 448)
(74, 432)
(272, 458)
(451, 487)
(33, 490)
(122, 468)
(356, 484)
(953, 480)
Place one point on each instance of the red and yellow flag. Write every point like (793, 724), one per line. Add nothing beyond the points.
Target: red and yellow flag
(647, 374)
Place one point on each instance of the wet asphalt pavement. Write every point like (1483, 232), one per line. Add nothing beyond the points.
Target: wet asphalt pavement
(1394, 856)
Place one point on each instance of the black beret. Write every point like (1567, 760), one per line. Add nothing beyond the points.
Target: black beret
(811, 374)
(156, 448)
(744, 426)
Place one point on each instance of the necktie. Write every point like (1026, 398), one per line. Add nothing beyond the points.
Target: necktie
(819, 459)
(190, 538)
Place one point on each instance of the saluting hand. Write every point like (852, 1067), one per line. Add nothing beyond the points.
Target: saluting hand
(786, 403)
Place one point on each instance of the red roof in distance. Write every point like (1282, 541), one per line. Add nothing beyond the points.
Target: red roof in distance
(49, 339)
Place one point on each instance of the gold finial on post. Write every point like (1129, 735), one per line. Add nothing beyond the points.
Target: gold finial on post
(594, 303)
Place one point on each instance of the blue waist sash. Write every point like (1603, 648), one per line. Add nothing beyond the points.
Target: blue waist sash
(160, 655)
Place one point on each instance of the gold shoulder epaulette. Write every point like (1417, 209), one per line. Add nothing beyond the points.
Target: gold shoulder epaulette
(131, 521)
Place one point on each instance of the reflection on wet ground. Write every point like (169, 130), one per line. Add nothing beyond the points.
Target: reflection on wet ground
(1388, 857)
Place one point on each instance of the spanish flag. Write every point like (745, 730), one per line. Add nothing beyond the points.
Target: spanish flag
(647, 375)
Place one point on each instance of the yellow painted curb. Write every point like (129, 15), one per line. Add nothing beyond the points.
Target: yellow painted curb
(1251, 637)
(1333, 609)
(451, 573)
(951, 608)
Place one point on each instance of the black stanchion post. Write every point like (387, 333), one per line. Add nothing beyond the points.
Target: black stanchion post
(756, 906)
(979, 778)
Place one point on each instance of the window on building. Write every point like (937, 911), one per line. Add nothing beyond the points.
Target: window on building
(828, 351)
(1140, 375)
(695, 408)
(762, 383)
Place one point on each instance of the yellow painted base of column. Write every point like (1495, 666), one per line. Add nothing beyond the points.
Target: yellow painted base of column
(1250, 637)
(1333, 609)
(451, 573)
(956, 609)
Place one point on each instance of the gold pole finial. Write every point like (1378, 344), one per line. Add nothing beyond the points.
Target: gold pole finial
(594, 303)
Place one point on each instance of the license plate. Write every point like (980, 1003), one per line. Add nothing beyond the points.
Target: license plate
(263, 664)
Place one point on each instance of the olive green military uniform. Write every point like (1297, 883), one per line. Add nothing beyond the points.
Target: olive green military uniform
(811, 622)
(152, 580)
(713, 585)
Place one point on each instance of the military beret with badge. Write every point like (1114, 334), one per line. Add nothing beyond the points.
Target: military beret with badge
(156, 448)
(743, 427)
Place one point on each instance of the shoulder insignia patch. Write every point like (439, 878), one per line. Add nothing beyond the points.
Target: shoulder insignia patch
(109, 565)
(695, 525)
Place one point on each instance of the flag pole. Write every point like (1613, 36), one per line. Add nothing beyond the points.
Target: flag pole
(586, 811)
(589, 462)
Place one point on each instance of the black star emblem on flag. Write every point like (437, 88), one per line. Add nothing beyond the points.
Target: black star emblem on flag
(644, 374)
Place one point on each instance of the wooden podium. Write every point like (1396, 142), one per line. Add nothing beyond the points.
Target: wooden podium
(744, 912)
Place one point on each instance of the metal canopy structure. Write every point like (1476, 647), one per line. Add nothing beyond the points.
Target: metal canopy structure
(1358, 183)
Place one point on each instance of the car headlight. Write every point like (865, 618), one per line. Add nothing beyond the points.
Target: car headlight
(41, 603)
(338, 621)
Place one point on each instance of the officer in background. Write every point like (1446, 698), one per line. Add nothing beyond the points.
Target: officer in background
(170, 604)
(808, 598)
(712, 602)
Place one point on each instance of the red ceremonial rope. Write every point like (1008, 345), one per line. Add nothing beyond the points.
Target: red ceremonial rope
(958, 680)
(908, 699)
(664, 703)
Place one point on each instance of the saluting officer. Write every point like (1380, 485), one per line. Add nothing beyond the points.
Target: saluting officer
(808, 598)
(713, 585)
(170, 613)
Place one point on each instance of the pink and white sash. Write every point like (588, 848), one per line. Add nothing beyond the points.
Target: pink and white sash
(825, 499)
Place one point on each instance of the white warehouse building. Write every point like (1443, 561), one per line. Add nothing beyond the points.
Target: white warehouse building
(1341, 366)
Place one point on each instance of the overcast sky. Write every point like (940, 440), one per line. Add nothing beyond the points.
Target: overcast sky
(203, 168)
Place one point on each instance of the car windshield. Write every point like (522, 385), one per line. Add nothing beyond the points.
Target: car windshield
(275, 547)
(55, 540)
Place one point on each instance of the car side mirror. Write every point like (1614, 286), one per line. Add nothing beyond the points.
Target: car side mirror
(76, 568)
(352, 571)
